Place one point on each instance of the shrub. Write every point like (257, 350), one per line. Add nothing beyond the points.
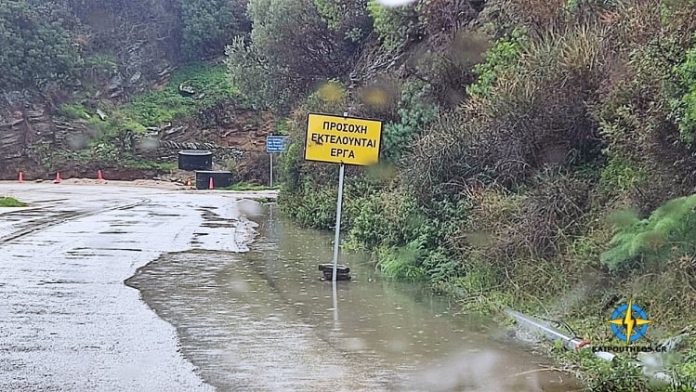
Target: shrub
(390, 218)
(534, 115)
(637, 124)
(36, 46)
(402, 262)
(669, 231)
(291, 50)
(441, 20)
(618, 375)
(395, 26)
(620, 176)
(208, 25)
(504, 55)
(551, 212)
(686, 72)
(416, 110)
(348, 18)
(537, 224)
(313, 205)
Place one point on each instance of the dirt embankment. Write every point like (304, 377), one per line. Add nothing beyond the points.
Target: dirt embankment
(128, 51)
(36, 139)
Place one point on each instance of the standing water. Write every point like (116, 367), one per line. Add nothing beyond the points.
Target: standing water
(263, 321)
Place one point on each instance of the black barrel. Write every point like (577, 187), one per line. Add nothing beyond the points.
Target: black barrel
(221, 179)
(195, 160)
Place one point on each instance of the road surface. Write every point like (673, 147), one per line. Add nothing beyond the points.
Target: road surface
(122, 288)
(67, 320)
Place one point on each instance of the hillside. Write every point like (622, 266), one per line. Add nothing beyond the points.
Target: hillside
(538, 155)
(119, 85)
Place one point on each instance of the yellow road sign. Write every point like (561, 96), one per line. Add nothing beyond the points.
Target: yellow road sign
(348, 140)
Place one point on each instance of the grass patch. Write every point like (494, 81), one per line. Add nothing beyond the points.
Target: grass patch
(246, 187)
(149, 165)
(112, 139)
(11, 202)
(210, 84)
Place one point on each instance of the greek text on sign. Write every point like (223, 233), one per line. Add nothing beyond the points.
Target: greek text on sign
(348, 140)
(275, 144)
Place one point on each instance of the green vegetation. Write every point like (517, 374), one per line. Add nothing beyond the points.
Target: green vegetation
(148, 165)
(37, 47)
(416, 109)
(281, 61)
(686, 72)
(395, 26)
(210, 85)
(11, 202)
(348, 18)
(114, 139)
(501, 188)
(208, 25)
(245, 186)
(669, 232)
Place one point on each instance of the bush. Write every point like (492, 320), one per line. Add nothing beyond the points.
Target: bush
(442, 20)
(621, 177)
(313, 205)
(538, 223)
(504, 55)
(291, 50)
(531, 116)
(395, 26)
(638, 127)
(402, 262)
(389, 218)
(669, 232)
(551, 213)
(686, 72)
(416, 110)
(209, 25)
(36, 46)
(348, 18)
(619, 375)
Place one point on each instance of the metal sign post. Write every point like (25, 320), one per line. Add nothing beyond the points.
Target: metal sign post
(339, 207)
(274, 144)
(271, 173)
(346, 141)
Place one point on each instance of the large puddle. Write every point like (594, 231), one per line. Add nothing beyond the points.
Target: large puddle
(263, 321)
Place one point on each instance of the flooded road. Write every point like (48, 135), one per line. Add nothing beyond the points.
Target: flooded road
(263, 321)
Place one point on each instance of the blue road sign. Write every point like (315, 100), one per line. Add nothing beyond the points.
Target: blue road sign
(275, 143)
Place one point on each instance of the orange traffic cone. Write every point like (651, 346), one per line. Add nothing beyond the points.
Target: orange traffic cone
(58, 180)
(100, 176)
(21, 177)
(211, 184)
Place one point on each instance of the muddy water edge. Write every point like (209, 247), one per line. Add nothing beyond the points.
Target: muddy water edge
(264, 321)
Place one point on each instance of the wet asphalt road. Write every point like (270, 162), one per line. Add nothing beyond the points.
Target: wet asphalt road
(199, 315)
(67, 321)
